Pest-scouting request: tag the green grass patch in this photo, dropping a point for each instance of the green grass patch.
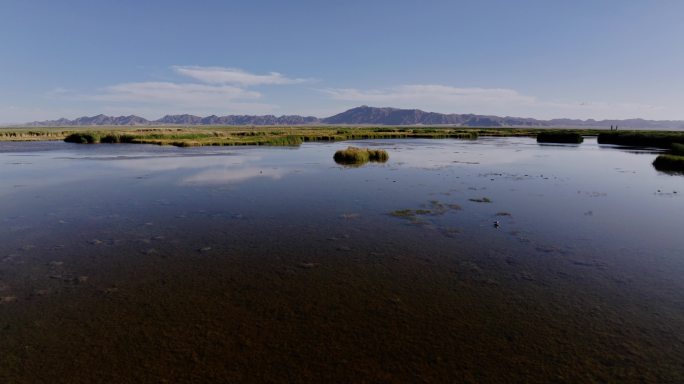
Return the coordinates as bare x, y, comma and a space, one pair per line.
559, 137
289, 140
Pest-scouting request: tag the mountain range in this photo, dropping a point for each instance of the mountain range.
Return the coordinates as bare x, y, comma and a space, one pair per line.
366, 115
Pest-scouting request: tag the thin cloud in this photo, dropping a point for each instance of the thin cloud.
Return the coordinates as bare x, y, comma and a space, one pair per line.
233, 175
430, 93
490, 101
206, 90
177, 94
222, 75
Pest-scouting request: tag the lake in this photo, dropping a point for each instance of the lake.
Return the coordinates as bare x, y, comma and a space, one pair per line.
489, 260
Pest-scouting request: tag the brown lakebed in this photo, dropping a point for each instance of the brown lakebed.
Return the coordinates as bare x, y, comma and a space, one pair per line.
133, 263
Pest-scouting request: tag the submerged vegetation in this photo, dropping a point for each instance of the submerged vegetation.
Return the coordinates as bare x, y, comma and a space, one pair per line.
437, 208
408, 213
559, 137
481, 200
355, 155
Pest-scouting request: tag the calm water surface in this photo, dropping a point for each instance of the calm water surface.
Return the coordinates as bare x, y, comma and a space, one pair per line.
133, 263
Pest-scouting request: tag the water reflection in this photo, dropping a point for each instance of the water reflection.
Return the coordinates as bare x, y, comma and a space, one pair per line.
233, 175
454, 256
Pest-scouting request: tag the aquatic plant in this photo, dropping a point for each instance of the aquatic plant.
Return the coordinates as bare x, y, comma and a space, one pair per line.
482, 200
403, 213
355, 155
559, 137
410, 213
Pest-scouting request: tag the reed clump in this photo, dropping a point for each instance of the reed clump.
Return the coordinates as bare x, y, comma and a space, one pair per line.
355, 155
83, 138
117, 138
668, 162
560, 137
673, 161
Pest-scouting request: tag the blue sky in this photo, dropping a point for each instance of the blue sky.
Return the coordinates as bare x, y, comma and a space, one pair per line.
544, 59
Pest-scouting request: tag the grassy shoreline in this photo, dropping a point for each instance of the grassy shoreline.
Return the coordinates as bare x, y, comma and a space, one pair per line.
185, 136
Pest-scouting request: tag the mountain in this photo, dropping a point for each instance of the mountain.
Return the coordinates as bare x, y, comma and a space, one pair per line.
94, 120
367, 115
257, 120
180, 120
394, 116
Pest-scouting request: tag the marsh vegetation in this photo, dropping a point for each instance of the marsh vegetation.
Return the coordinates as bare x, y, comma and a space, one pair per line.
480, 200
228, 135
672, 161
659, 139
235, 135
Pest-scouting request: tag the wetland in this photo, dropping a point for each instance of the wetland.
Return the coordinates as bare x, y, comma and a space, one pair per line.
493, 260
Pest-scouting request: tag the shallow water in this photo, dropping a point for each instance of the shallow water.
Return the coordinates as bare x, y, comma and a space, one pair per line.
133, 263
